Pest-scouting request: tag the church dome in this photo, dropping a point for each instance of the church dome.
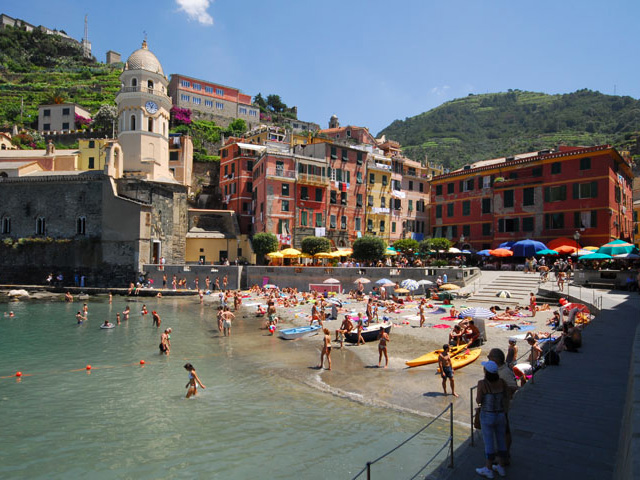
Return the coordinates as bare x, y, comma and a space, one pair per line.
143, 59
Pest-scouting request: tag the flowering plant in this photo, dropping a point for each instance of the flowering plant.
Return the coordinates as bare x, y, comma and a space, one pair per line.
181, 115
82, 121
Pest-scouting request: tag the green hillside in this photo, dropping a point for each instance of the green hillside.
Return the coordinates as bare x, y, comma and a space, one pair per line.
36, 68
486, 126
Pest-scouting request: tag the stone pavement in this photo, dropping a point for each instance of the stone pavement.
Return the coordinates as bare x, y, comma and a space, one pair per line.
567, 423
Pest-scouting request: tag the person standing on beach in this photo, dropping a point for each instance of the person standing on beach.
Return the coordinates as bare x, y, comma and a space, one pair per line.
421, 311
360, 328
532, 304
216, 285
446, 370
225, 280
326, 348
370, 311
383, 337
345, 328
207, 283
194, 381
227, 316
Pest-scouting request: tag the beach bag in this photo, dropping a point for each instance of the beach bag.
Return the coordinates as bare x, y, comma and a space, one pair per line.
476, 419
552, 358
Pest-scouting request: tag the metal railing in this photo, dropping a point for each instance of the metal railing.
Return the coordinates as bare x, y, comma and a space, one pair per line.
141, 89
448, 443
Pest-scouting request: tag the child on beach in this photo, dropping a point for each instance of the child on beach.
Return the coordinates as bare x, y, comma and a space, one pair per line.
326, 348
383, 337
360, 328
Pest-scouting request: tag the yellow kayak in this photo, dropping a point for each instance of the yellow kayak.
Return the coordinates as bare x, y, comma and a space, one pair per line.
465, 359
432, 357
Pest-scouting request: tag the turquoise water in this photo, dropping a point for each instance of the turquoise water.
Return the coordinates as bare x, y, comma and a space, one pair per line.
123, 420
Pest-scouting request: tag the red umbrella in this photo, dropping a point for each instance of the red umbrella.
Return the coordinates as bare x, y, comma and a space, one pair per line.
565, 249
561, 242
501, 252
581, 308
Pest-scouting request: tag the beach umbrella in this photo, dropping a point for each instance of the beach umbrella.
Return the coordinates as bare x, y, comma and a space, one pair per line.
270, 285
401, 290
546, 251
410, 284
562, 242
454, 250
384, 280
345, 251
566, 249
593, 249
362, 280
506, 245
504, 294
305, 255
466, 252
388, 284
629, 256
449, 286
391, 251
501, 252
484, 253
337, 254
527, 247
581, 307
275, 255
425, 282
583, 251
617, 247
331, 280
476, 312
323, 255
595, 256
290, 253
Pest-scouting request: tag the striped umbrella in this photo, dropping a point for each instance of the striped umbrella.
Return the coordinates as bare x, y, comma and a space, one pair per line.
410, 284
476, 312
504, 294
617, 247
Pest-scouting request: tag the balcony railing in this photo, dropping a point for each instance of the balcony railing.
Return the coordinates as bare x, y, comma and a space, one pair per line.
313, 179
281, 172
141, 89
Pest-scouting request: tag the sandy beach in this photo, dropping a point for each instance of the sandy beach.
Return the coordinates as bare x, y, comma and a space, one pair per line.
355, 374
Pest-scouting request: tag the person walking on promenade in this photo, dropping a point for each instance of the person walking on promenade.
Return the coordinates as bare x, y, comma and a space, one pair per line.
326, 348
194, 381
446, 370
492, 396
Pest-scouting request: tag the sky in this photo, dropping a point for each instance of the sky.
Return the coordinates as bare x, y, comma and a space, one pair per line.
369, 62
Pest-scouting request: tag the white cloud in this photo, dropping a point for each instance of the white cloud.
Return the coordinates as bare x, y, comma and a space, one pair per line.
440, 91
196, 10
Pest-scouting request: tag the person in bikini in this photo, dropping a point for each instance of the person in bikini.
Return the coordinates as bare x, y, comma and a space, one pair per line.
326, 348
194, 381
383, 337
532, 304
446, 370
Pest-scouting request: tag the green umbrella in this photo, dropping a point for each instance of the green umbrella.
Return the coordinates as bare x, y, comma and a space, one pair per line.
595, 256
617, 247
546, 252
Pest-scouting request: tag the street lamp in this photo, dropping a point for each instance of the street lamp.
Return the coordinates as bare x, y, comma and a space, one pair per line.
576, 237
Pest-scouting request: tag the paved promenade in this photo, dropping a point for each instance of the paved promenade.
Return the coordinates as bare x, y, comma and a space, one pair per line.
567, 423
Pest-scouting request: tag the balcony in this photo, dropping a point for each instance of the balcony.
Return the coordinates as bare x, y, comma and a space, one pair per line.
141, 89
310, 179
383, 167
281, 173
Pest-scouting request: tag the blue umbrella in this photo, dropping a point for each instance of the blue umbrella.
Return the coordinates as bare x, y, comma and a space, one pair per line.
527, 248
382, 281
476, 312
506, 244
595, 256
484, 253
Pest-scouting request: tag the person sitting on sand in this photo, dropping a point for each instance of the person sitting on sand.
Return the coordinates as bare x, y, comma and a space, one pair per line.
472, 335
537, 335
554, 321
345, 327
261, 311
453, 312
456, 336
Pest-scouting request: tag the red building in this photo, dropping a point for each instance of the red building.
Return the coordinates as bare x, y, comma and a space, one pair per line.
540, 195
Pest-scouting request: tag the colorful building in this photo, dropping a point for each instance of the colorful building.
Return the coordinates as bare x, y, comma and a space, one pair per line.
378, 208
541, 195
92, 153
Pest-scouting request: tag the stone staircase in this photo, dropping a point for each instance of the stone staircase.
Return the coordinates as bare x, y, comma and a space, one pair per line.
519, 284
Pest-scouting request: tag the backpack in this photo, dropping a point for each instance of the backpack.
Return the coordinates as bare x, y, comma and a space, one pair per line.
551, 358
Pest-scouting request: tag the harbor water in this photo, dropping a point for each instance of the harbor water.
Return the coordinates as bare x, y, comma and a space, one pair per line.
258, 417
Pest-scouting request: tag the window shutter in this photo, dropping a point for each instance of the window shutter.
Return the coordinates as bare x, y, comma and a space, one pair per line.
594, 190
576, 190
594, 218
501, 225
563, 192
547, 219
547, 194
516, 224
479, 183
461, 186
576, 220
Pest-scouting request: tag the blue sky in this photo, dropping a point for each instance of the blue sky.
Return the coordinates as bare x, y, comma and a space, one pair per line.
369, 62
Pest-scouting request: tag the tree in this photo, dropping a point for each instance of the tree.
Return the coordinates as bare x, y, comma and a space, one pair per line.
407, 245
104, 119
438, 244
313, 245
264, 243
236, 128
275, 104
369, 248
260, 102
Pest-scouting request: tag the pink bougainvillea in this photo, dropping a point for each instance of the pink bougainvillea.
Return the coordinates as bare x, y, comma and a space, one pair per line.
82, 121
181, 115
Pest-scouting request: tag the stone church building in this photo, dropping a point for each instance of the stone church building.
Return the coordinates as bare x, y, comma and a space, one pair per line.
103, 225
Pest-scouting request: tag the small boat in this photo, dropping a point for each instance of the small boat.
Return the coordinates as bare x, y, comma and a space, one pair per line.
432, 357
465, 358
299, 332
369, 333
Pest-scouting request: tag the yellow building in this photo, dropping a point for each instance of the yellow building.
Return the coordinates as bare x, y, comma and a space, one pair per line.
378, 206
92, 153
214, 236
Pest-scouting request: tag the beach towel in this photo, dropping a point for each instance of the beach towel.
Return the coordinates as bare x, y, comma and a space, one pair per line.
448, 319
411, 317
441, 325
437, 311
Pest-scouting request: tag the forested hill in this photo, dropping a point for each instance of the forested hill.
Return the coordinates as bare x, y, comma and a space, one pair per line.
36, 68
493, 125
